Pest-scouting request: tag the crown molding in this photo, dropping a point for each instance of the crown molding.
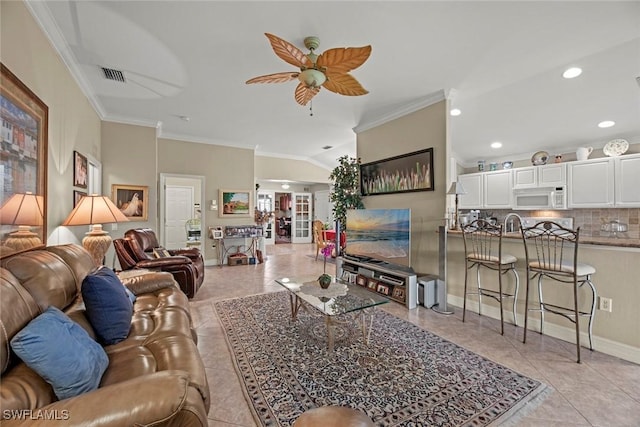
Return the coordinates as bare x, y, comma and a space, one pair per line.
400, 111
42, 15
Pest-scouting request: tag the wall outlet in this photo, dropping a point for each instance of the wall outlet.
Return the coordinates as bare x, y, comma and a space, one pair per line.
605, 304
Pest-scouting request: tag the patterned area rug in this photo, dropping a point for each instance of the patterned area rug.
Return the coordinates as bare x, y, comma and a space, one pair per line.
406, 376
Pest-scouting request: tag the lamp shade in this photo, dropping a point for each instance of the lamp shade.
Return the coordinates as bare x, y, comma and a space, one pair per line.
95, 209
23, 209
456, 188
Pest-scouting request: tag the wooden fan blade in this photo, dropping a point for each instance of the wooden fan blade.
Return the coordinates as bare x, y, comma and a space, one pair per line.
342, 60
304, 94
275, 78
344, 84
288, 52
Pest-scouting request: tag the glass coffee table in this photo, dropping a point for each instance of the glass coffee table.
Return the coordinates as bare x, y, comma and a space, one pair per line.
338, 299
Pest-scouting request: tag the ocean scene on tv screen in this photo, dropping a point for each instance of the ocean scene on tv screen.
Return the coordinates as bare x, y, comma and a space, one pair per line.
381, 234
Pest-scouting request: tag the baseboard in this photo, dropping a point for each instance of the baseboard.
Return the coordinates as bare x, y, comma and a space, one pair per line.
210, 262
603, 345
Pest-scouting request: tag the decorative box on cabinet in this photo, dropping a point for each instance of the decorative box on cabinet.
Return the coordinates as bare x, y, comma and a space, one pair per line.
397, 283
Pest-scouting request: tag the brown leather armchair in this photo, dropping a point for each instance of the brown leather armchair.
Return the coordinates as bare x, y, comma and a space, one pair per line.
136, 250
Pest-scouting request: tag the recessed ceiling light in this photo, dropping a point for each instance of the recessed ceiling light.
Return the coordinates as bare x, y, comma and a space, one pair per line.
606, 124
455, 112
572, 72
496, 144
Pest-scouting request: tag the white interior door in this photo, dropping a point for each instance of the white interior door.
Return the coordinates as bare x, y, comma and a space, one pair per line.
178, 209
323, 208
301, 218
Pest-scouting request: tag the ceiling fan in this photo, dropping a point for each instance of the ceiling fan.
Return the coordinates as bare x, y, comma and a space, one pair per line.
329, 69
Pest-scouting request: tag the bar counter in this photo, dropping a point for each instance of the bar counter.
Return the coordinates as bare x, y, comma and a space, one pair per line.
626, 240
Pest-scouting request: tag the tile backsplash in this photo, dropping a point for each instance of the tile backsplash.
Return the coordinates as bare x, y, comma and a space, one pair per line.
589, 220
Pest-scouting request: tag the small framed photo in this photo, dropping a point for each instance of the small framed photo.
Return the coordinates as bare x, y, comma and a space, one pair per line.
216, 233
80, 168
132, 200
383, 289
235, 204
398, 293
361, 280
77, 195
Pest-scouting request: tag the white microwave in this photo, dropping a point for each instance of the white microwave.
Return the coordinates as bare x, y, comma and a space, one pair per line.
540, 198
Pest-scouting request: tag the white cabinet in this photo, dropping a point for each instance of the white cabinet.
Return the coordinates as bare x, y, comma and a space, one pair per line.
552, 175
473, 185
540, 176
489, 190
498, 190
591, 183
627, 181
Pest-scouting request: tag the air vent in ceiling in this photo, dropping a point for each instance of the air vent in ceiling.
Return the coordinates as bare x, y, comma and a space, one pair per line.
111, 74
327, 147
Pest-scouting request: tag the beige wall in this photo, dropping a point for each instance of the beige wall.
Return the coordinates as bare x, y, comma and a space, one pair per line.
224, 168
420, 130
289, 169
129, 158
73, 123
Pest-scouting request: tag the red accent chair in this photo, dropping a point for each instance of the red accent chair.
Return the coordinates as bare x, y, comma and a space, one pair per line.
136, 250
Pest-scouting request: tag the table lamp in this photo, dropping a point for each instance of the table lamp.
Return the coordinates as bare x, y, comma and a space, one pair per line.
24, 210
95, 210
457, 189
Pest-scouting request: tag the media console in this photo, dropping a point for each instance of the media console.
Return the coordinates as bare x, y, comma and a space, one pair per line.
396, 282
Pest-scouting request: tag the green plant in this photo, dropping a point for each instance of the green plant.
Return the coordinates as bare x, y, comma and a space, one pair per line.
346, 188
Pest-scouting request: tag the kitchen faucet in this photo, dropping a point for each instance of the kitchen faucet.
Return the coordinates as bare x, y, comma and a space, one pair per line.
509, 226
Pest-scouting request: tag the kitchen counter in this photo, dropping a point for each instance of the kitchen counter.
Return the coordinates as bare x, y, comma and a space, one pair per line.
622, 242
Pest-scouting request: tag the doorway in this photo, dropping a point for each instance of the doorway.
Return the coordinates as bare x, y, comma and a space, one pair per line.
282, 207
181, 213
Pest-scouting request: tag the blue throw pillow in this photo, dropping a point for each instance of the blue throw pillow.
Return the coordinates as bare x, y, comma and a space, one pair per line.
62, 353
109, 309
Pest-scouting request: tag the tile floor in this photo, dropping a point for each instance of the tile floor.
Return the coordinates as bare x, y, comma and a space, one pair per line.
602, 391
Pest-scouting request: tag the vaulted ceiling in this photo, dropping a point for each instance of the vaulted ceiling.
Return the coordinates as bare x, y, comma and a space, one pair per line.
185, 64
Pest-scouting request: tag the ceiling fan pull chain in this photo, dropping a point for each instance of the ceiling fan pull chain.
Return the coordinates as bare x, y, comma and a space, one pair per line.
311, 108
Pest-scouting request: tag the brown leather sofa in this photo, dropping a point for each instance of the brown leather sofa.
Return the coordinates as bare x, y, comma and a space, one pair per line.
154, 377
136, 250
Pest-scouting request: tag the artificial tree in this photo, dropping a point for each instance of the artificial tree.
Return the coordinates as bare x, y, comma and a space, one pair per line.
346, 191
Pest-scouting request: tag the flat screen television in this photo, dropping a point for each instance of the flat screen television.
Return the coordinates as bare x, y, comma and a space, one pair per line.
379, 235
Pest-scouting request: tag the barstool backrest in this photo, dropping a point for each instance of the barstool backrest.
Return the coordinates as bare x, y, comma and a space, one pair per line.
549, 247
483, 241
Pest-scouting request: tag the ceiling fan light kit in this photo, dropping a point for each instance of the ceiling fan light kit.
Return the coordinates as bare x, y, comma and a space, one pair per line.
329, 69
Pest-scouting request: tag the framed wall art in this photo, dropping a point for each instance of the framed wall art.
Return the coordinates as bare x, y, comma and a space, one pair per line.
80, 168
77, 195
234, 203
400, 174
132, 200
23, 146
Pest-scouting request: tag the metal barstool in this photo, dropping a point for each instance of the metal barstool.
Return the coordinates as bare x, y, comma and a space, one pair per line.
483, 248
552, 252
